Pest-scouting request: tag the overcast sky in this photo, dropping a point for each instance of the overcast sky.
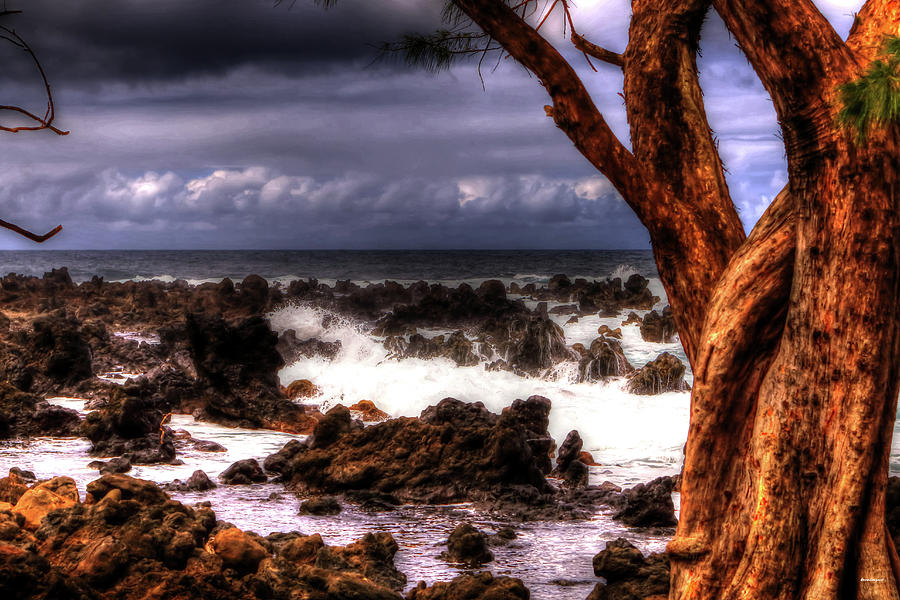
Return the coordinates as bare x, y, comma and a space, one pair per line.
241, 124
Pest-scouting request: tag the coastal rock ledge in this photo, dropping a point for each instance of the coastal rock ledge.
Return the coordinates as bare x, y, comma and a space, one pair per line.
129, 540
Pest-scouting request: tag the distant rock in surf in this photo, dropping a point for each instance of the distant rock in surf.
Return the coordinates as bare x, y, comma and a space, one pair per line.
665, 373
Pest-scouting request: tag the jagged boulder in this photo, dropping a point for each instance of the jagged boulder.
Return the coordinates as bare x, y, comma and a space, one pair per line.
665, 373
649, 504
455, 451
27, 415
568, 461
659, 328
629, 575
483, 585
468, 545
237, 369
604, 359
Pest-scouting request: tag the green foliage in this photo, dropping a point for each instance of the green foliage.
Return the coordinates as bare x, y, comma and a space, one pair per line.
873, 100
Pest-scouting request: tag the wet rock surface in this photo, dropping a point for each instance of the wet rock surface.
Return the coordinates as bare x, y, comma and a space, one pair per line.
649, 504
128, 540
659, 328
243, 472
629, 575
130, 427
455, 451
27, 415
604, 359
665, 373
468, 545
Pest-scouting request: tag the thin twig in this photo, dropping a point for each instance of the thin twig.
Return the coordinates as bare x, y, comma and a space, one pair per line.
47, 121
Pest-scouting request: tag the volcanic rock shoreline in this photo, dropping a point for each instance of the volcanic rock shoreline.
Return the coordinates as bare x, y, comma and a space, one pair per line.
213, 355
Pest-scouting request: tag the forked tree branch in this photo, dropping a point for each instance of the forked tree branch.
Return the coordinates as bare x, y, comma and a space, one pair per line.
573, 109
800, 66
875, 20
595, 51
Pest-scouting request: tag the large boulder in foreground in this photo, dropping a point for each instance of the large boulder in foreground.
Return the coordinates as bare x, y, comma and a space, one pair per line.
129, 540
456, 451
629, 575
649, 504
483, 585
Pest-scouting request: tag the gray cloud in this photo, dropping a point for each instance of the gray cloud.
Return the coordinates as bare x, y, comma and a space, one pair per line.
241, 124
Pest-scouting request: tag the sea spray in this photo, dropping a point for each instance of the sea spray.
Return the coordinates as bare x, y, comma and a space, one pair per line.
621, 430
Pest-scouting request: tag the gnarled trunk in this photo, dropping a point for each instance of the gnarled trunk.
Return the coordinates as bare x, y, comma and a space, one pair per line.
793, 333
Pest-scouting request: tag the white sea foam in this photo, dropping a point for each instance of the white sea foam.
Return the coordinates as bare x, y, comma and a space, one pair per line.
616, 426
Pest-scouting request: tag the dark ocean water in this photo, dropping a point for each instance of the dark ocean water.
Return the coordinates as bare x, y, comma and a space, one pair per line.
376, 265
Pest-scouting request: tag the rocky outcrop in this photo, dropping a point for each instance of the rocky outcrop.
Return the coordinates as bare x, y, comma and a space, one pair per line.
60, 353
569, 466
292, 349
629, 575
26, 415
665, 373
40, 499
199, 481
367, 411
128, 540
482, 585
649, 504
131, 427
445, 307
604, 359
527, 345
457, 347
455, 451
326, 505
243, 472
659, 328
468, 546
237, 369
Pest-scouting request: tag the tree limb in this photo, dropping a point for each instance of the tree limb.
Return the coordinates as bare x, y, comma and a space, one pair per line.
595, 51
573, 110
876, 19
30, 235
799, 58
45, 122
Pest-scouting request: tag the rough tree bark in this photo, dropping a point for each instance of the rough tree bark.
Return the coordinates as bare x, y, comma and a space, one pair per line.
792, 334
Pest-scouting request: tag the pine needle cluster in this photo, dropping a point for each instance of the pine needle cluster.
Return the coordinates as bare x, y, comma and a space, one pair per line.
873, 100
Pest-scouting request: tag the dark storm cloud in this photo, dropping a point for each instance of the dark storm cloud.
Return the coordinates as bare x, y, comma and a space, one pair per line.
239, 123
141, 40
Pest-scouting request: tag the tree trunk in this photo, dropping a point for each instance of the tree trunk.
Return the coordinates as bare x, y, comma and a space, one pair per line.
792, 335
792, 413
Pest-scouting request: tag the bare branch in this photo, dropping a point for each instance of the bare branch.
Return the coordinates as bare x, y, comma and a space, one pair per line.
31, 236
45, 122
595, 51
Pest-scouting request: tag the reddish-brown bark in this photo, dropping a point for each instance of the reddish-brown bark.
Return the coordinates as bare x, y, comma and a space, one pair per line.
793, 334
